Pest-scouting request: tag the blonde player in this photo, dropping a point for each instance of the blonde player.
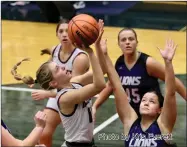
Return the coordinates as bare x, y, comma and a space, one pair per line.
73, 97
76, 61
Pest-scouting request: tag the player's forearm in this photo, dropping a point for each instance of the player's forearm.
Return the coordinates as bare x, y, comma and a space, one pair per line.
101, 57
98, 78
111, 72
103, 96
33, 137
169, 78
121, 100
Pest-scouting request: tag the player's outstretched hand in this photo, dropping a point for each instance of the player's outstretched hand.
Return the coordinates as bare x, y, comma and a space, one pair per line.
169, 50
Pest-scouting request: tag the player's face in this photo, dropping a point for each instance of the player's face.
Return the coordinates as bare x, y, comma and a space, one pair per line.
127, 42
62, 33
150, 105
60, 74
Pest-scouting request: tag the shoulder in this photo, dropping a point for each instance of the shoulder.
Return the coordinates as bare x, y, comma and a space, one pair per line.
80, 53
119, 60
81, 56
76, 85
81, 59
144, 57
54, 48
154, 68
151, 62
131, 126
60, 92
164, 129
80, 64
80, 50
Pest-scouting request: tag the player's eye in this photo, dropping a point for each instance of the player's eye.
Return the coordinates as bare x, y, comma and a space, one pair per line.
123, 39
131, 38
60, 31
152, 101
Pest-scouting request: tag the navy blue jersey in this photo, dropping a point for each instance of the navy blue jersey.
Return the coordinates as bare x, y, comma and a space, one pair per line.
136, 81
150, 138
4, 126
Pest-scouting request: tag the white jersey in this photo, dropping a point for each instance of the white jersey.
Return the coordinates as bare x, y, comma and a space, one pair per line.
68, 64
78, 125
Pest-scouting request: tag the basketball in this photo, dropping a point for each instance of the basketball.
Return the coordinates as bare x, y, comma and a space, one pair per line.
83, 29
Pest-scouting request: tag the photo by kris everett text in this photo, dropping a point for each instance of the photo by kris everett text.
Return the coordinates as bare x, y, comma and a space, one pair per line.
135, 136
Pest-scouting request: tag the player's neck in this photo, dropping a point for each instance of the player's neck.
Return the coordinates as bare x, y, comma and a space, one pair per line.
131, 58
146, 121
67, 49
65, 85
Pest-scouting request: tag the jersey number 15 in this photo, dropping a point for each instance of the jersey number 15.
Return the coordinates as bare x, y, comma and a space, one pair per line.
133, 95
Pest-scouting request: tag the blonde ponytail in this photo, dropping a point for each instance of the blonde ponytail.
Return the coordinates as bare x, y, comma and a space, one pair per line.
26, 79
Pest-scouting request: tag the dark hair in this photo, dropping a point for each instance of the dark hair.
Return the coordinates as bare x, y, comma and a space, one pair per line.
61, 22
43, 75
159, 95
128, 29
47, 50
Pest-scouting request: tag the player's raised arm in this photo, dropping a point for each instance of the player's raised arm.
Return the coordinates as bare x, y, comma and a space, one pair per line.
125, 111
168, 115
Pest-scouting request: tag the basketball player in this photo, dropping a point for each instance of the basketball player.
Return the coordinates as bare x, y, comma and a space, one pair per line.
8, 140
158, 115
49, 76
73, 98
75, 61
138, 72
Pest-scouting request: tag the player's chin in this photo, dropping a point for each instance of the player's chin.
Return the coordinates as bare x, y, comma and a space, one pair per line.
144, 112
128, 51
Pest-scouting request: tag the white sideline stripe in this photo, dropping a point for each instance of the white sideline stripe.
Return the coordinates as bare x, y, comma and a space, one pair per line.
106, 123
17, 89
30, 90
